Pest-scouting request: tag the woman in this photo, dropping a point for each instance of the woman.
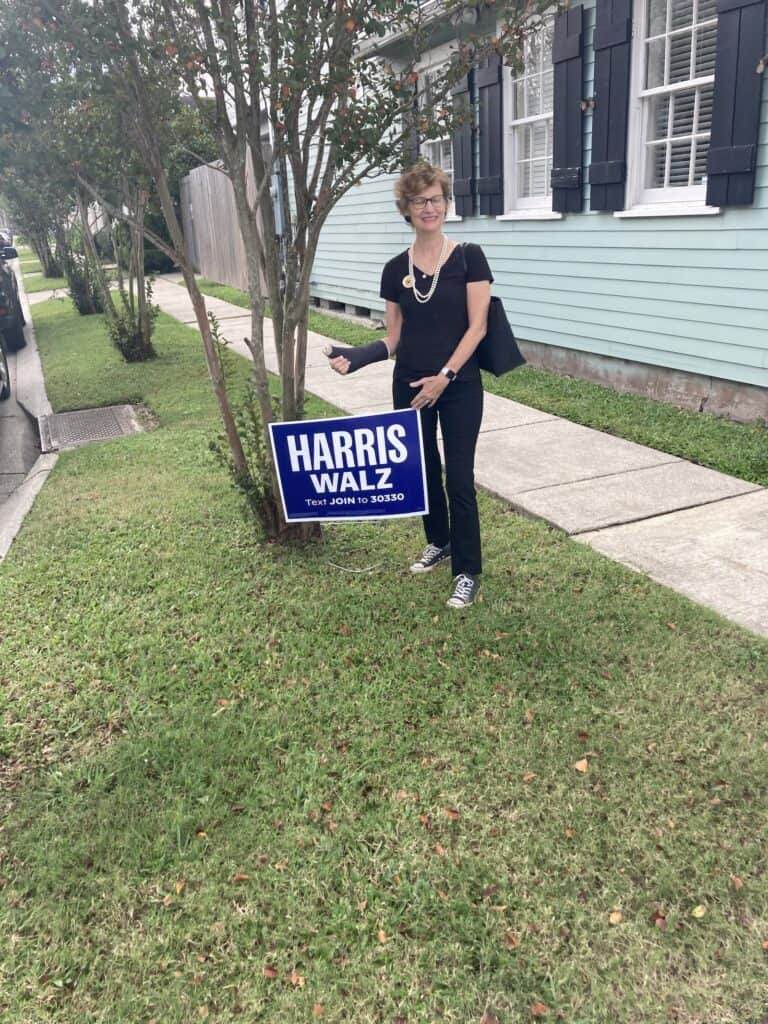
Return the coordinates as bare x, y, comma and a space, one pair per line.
437, 294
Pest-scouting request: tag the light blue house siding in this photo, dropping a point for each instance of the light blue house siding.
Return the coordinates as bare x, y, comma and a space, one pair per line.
685, 293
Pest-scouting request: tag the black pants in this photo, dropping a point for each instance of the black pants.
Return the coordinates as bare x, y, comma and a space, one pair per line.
460, 410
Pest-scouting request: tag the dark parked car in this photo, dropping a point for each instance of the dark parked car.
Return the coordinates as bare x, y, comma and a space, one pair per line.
11, 315
5, 376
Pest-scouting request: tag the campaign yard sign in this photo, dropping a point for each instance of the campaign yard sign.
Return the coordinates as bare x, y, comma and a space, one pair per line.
352, 467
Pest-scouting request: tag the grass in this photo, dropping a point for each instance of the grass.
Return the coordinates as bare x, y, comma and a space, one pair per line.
246, 783
32, 285
348, 332
737, 449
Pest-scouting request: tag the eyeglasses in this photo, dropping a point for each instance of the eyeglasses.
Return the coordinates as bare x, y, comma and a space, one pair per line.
438, 202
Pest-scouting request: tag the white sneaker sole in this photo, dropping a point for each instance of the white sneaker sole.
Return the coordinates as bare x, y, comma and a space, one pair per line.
419, 570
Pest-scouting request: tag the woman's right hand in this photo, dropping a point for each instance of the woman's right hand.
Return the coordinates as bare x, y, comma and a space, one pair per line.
340, 364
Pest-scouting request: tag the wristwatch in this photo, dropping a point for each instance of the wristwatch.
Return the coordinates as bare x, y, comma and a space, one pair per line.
449, 373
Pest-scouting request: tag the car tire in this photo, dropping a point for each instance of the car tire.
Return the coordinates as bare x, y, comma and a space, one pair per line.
14, 338
5, 376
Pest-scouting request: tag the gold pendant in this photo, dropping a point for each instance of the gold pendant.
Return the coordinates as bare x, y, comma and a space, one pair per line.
408, 281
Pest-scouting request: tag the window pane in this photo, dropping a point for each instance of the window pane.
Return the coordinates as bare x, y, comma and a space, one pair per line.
657, 156
657, 17
524, 180
680, 58
655, 71
520, 99
683, 106
704, 120
539, 139
682, 13
706, 38
524, 143
679, 163
548, 84
533, 96
700, 161
539, 178
658, 117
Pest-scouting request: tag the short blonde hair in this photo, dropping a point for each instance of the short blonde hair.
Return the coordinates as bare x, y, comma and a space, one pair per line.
417, 178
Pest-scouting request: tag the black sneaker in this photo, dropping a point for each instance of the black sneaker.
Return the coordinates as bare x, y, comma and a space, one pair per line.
465, 590
431, 557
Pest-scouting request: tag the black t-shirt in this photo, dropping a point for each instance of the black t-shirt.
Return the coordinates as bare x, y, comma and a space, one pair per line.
432, 330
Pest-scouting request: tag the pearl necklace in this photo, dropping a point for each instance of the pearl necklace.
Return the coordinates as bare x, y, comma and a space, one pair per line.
419, 296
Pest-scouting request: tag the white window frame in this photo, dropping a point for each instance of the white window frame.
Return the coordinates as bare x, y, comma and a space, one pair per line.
522, 207
672, 200
431, 61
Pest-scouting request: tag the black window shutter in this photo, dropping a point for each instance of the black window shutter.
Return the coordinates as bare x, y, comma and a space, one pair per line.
490, 181
463, 144
411, 151
612, 44
736, 102
567, 57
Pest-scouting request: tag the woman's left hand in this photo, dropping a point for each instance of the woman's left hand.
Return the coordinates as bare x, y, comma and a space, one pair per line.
431, 389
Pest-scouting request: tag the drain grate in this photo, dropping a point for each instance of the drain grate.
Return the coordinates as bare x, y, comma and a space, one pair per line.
73, 429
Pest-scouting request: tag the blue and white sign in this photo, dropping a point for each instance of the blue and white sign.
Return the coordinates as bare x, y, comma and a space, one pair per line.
353, 467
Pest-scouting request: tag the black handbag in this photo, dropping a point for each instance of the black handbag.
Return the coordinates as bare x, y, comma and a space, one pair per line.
498, 352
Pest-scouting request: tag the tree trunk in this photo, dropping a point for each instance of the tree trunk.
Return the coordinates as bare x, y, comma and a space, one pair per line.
92, 255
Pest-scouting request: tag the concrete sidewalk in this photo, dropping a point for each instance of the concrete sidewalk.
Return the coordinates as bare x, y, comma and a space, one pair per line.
22, 466
697, 531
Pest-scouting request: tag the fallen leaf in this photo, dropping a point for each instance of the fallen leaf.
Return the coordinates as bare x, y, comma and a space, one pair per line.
539, 1009
511, 940
452, 813
529, 776
765, 944
424, 819
240, 876
180, 886
659, 919
489, 1018
582, 765
280, 865
297, 980
167, 901
201, 834
269, 972
671, 625
402, 794
615, 917
204, 1013
529, 715
362, 905
439, 850
317, 1010
382, 935
344, 630
570, 832
583, 735
327, 806
737, 882
699, 911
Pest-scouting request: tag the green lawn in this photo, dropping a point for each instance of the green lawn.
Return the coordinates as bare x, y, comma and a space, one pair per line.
32, 285
735, 448
247, 783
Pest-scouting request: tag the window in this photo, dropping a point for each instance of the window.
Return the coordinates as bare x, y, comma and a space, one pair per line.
438, 152
674, 60
529, 129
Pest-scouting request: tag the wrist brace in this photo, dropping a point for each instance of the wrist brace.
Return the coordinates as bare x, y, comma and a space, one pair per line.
359, 355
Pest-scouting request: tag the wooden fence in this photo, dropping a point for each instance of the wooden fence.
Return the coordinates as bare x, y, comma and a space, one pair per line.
211, 228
